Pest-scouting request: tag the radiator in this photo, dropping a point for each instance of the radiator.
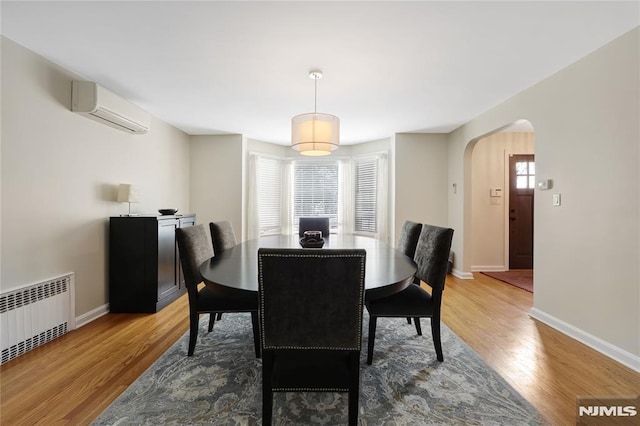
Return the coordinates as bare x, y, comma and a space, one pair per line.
36, 314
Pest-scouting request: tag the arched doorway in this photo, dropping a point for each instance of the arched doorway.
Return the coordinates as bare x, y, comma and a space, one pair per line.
501, 174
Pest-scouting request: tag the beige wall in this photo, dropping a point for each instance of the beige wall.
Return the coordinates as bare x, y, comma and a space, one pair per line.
420, 179
489, 224
217, 179
586, 256
60, 173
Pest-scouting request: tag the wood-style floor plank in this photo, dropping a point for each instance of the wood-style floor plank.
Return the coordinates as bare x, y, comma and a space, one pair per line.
545, 366
72, 380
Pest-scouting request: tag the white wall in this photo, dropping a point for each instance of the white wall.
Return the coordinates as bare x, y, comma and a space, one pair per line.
217, 179
60, 173
490, 169
420, 179
586, 119
371, 147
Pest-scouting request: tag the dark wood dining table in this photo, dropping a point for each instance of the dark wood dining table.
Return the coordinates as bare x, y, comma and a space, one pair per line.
234, 272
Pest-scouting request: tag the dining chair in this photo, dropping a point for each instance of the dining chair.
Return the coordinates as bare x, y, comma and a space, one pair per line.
431, 257
409, 235
314, 224
194, 246
223, 237
310, 310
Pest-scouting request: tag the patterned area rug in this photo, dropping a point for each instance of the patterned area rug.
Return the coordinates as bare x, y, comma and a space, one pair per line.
521, 278
406, 385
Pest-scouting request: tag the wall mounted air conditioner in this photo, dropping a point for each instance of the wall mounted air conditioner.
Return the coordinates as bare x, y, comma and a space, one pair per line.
97, 103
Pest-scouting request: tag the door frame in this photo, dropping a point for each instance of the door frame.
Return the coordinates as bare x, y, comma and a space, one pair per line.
507, 200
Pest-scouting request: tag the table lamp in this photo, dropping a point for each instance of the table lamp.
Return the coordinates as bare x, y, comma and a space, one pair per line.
128, 193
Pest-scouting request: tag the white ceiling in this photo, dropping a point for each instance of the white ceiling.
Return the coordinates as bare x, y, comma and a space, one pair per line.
211, 67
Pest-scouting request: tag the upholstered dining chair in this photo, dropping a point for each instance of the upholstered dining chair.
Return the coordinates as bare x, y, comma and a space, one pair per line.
194, 245
431, 257
409, 235
310, 308
223, 237
314, 224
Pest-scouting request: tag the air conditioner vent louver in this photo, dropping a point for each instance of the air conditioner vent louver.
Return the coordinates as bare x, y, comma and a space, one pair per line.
97, 103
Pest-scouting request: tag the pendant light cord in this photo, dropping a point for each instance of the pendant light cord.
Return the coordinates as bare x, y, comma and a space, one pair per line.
315, 95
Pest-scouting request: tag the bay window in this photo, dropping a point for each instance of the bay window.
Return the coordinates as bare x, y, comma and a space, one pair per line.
351, 192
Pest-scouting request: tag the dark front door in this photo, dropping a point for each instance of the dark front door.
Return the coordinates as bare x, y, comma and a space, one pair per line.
521, 188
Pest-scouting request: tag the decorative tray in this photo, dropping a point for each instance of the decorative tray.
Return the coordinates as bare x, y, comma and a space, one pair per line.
311, 243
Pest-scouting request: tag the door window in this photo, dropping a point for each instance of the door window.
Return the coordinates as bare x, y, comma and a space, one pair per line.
525, 175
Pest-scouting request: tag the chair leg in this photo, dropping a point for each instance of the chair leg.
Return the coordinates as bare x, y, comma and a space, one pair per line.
416, 320
267, 392
212, 320
194, 318
408, 320
372, 337
219, 316
354, 387
256, 332
435, 332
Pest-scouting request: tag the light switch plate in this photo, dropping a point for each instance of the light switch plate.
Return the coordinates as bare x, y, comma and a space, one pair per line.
556, 200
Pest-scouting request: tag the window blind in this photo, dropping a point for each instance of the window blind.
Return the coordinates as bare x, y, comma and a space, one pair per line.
269, 184
365, 196
315, 191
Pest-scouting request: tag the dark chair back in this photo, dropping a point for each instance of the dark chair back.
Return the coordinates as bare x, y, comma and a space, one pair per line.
194, 246
223, 236
314, 224
409, 235
432, 255
311, 298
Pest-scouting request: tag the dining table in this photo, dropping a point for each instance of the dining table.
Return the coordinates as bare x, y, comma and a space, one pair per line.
234, 272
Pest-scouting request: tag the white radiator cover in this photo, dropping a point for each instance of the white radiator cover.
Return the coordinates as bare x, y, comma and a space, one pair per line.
33, 315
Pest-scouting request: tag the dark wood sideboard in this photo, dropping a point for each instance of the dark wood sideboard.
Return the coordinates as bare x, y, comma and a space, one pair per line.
144, 265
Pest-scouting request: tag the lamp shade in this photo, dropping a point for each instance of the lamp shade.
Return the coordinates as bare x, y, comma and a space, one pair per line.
315, 133
128, 193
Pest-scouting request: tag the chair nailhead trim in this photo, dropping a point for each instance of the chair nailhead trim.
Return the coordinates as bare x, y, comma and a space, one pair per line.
306, 389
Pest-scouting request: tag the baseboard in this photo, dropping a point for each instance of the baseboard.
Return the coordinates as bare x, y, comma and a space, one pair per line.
462, 275
489, 268
92, 315
623, 357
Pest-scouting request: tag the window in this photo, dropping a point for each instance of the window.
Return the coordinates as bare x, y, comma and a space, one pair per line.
315, 190
269, 184
366, 196
525, 174
345, 190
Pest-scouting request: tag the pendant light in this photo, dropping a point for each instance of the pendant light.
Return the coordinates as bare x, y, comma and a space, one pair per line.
314, 133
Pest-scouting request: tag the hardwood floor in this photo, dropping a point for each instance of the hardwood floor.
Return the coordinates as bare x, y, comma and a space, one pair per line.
545, 366
73, 379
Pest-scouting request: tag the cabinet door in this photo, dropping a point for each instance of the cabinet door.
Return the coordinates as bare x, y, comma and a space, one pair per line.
167, 273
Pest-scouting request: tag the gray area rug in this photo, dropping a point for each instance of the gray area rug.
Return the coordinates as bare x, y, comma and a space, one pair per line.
406, 385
